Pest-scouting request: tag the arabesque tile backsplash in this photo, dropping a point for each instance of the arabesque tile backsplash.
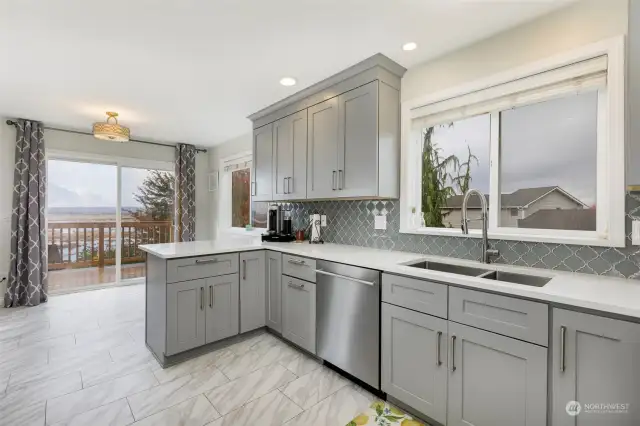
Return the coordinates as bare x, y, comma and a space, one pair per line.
351, 222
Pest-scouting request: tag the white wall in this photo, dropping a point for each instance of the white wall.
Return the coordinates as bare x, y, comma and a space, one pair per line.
582, 23
56, 140
233, 146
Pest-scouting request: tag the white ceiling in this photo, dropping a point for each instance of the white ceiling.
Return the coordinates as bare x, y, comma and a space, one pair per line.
186, 70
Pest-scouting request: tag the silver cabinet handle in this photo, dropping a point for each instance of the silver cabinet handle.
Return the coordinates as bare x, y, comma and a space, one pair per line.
284, 185
453, 353
204, 261
340, 179
244, 269
297, 262
438, 339
296, 286
202, 298
289, 179
211, 296
253, 188
344, 277
333, 180
563, 339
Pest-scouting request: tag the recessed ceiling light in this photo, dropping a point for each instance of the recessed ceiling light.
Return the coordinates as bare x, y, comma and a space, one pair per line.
409, 46
288, 81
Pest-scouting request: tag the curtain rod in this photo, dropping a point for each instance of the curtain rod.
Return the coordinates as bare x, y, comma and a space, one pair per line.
77, 132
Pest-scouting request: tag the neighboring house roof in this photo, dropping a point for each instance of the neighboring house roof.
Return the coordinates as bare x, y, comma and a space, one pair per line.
569, 219
521, 198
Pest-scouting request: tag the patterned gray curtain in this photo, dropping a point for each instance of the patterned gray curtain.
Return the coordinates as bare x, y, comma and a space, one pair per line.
185, 188
27, 285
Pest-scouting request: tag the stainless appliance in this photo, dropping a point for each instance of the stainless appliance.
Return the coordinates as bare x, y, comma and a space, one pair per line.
279, 225
348, 319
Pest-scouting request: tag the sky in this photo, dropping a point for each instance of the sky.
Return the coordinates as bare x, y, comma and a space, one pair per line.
76, 184
551, 143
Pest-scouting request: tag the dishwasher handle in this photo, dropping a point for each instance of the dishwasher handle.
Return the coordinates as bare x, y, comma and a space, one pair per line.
344, 277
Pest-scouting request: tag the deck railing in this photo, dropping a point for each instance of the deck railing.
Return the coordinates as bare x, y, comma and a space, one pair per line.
93, 244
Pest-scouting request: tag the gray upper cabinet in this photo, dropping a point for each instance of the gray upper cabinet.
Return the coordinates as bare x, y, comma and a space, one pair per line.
262, 164
299, 312
221, 307
185, 315
322, 149
273, 288
352, 139
252, 290
414, 360
495, 380
358, 142
290, 157
595, 361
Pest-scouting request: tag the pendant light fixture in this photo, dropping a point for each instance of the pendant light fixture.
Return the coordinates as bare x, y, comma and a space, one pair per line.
109, 131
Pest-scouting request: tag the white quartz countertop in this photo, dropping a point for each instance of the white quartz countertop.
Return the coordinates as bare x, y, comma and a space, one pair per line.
611, 295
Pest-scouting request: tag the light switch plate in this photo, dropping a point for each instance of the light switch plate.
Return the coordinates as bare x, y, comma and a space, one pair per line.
635, 232
380, 222
323, 220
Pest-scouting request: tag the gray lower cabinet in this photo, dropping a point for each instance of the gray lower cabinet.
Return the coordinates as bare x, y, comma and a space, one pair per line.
322, 149
262, 164
185, 315
414, 360
252, 290
495, 380
595, 362
299, 312
221, 303
273, 287
290, 157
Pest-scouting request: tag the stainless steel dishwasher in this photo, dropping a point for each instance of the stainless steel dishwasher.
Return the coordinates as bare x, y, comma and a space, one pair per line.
348, 319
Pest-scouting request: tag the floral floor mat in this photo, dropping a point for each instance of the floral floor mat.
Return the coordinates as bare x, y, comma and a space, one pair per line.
381, 413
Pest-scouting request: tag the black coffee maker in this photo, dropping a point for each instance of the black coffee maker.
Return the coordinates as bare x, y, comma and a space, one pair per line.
279, 228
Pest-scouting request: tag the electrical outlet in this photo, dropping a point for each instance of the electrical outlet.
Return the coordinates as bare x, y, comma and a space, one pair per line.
380, 222
323, 220
635, 232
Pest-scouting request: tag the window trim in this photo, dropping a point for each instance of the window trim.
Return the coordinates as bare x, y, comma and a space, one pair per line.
610, 197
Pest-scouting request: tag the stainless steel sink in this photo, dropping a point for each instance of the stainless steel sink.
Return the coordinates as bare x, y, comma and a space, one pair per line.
510, 277
452, 269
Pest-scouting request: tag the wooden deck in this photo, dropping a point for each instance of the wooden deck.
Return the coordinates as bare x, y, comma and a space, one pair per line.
73, 279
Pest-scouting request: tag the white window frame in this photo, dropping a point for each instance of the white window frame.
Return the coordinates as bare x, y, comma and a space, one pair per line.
225, 196
610, 196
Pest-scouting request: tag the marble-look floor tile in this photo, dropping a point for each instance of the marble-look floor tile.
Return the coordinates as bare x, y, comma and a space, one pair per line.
279, 352
246, 344
4, 382
196, 411
9, 345
313, 387
20, 358
99, 373
234, 394
338, 409
272, 409
127, 350
64, 407
116, 413
23, 414
41, 390
192, 365
154, 400
236, 366
301, 364
63, 342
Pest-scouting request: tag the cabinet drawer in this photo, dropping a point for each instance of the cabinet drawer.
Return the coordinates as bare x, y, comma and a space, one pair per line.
521, 319
420, 295
299, 267
193, 268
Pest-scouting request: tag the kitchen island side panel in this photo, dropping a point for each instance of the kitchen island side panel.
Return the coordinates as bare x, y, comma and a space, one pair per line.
156, 305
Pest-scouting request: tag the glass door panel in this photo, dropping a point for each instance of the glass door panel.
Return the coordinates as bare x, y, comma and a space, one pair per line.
81, 224
147, 215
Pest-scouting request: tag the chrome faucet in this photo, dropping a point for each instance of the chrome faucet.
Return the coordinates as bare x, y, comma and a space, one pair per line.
487, 253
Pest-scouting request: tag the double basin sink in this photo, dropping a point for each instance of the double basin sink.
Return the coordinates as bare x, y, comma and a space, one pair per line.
510, 277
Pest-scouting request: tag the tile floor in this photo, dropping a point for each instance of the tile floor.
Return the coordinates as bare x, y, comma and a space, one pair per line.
80, 359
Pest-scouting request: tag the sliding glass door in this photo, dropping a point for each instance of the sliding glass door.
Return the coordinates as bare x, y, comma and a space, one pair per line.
98, 213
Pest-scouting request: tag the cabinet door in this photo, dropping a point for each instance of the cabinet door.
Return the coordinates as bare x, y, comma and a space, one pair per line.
595, 361
185, 316
290, 157
252, 282
358, 142
273, 306
414, 360
299, 312
222, 307
495, 380
262, 163
322, 149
